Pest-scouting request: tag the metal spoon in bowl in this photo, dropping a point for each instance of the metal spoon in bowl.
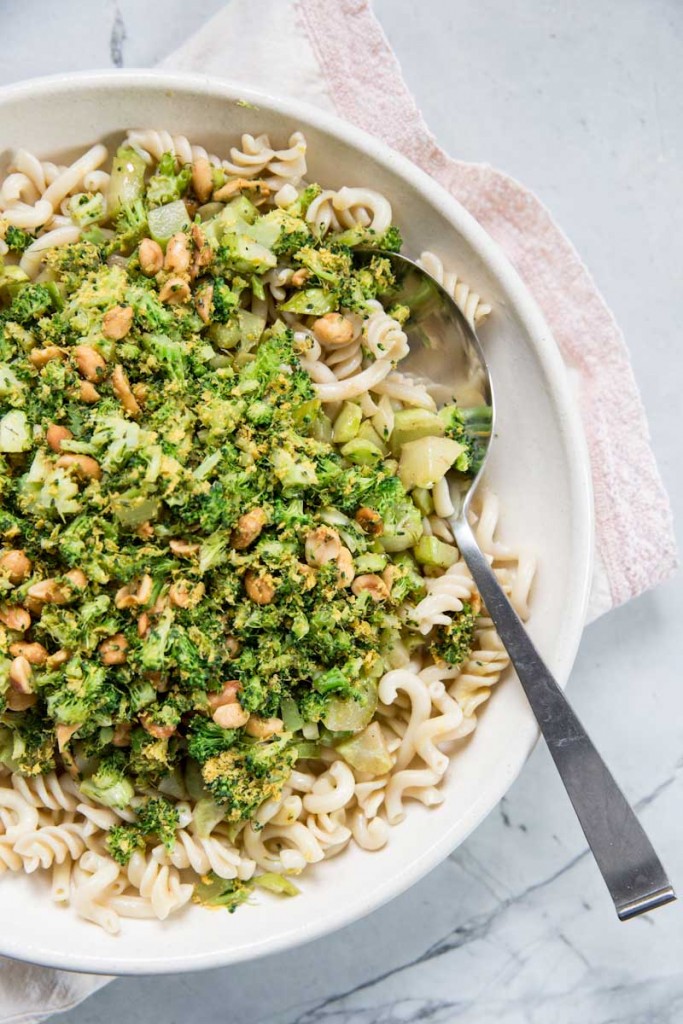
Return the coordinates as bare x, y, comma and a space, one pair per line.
444, 348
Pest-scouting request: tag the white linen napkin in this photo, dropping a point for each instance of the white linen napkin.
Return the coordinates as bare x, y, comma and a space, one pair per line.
252, 41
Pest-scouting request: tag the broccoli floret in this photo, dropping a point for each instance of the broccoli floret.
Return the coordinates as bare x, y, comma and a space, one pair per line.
87, 208
108, 784
28, 743
453, 643
206, 739
157, 820
131, 225
150, 314
390, 241
152, 655
150, 758
472, 429
240, 779
73, 262
212, 891
300, 205
169, 354
122, 842
289, 242
325, 264
17, 240
168, 183
31, 303
225, 301
84, 694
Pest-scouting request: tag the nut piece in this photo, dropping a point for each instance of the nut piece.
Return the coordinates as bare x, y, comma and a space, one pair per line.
230, 716
299, 277
248, 528
90, 363
175, 291
127, 598
345, 567
322, 545
370, 521
184, 594
202, 179
40, 357
371, 583
260, 589
232, 188
228, 694
232, 646
177, 258
15, 565
160, 732
20, 701
57, 659
84, 466
117, 321
15, 617
64, 734
143, 624
34, 653
113, 650
20, 673
87, 392
263, 728
203, 301
121, 737
55, 434
51, 592
151, 257
333, 329
122, 390
183, 548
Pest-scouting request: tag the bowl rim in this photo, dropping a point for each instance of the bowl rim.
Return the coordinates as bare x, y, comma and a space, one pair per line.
579, 479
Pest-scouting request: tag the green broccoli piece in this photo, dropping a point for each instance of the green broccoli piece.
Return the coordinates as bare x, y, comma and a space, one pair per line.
157, 820
325, 264
150, 314
108, 784
17, 240
300, 205
28, 743
122, 842
472, 429
168, 183
289, 242
212, 891
402, 522
453, 643
72, 262
131, 225
225, 301
205, 739
169, 354
390, 241
83, 694
241, 778
152, 656
31, 303
150, 758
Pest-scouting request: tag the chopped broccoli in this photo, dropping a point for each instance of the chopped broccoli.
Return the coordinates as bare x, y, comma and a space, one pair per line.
131, 225
122, 842
168, 183
157, 819
108, 784
31, 303
205, 739
17, 240
213, 891
453, 643
241, 778
471, 427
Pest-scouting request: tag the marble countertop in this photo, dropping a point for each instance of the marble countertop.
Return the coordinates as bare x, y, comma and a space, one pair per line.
515, 927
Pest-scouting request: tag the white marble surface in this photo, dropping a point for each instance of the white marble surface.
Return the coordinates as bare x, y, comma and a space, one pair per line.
582, 102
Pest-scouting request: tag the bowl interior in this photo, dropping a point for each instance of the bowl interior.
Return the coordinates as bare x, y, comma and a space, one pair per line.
538, 468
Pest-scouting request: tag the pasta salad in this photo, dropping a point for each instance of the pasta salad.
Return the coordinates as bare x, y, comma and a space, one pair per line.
236, 634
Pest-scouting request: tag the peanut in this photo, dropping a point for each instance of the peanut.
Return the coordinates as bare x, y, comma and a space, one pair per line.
84, 466
125, 598
20, 673
183, 548
122, 390
232, 188
55, 434
263, 728
15, 617
34, 653
175, 291
248, 528
333, 329
202, 179
370, 521
260, 589
88, 393
117, 322
121, 737
184, 595
345, 566
90, 363
15, 565
230, 716
322, 545
203, 302
177, 259
160, 732
371, 583
228, 694
151, 257
113, 650
40, 357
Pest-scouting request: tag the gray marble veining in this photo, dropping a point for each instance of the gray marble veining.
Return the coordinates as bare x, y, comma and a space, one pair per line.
581, 102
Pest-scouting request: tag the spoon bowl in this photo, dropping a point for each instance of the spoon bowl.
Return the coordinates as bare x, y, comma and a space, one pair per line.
446, 354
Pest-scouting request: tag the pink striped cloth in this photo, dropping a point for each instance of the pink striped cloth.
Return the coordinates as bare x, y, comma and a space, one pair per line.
344, 63
253, 43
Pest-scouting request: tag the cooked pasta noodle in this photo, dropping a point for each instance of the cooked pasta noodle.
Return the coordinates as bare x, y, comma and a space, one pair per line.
336, 793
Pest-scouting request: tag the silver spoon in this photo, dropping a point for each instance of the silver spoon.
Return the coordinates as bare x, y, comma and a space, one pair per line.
444, 347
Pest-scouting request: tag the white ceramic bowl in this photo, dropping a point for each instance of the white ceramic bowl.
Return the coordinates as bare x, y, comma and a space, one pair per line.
539, 468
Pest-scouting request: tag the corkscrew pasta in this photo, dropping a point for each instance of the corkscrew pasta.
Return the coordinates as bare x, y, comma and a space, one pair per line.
236, 634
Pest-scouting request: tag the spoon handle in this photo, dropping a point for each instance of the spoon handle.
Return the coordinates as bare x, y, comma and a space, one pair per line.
629, 865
